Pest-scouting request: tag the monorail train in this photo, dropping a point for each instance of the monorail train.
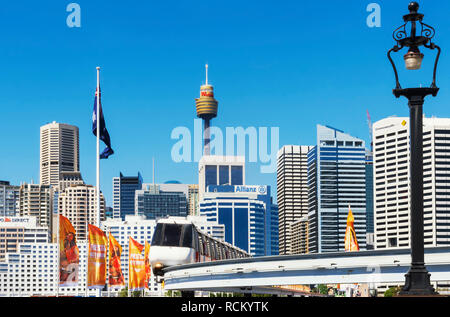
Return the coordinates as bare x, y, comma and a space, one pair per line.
177, 240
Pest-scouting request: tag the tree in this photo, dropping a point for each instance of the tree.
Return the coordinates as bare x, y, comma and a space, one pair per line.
321, 289
124, 293
393, 291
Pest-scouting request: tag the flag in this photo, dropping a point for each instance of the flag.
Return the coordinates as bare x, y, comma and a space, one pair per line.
115, 272
148, 269
69, 258
104, 135
96, 257
351, 244
136, 266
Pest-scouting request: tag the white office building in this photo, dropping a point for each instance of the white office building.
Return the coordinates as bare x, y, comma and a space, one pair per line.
16, 230
33, 271
292, 192
391, 182
59, 152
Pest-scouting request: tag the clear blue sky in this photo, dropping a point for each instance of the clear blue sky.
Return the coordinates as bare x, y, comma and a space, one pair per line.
289, 64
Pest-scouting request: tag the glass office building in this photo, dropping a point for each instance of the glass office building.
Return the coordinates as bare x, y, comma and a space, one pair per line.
249, 217
337, 182
153, 203
124, 189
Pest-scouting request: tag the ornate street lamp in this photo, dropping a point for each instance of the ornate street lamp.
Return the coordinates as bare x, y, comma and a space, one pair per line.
413, 35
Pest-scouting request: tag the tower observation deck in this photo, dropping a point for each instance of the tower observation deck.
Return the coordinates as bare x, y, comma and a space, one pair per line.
206, 107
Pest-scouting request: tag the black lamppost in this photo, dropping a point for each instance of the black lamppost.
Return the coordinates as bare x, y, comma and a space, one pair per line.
414, 34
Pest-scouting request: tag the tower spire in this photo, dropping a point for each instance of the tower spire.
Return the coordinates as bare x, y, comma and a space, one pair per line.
206, 69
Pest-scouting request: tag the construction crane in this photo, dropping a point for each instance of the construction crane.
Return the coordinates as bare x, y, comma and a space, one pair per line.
369, 122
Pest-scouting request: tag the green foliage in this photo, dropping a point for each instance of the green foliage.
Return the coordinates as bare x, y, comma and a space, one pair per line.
124, 293
321, 289
393, 291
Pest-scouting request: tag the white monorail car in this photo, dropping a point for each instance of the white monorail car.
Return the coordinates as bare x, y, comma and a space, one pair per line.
178, 241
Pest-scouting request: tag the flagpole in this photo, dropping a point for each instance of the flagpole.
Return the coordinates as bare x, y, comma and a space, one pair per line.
98, 148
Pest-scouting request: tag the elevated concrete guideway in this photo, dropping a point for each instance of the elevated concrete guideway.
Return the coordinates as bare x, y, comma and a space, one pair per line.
380, 266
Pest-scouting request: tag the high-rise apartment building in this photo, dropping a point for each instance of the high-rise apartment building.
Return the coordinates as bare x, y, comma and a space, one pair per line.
9, 199
292, 191
193, 201
78, 203
124, 190
391, 182
59, 152
336, 182
36, 201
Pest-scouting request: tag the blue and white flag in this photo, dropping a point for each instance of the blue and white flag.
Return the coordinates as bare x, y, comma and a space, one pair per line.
104, 135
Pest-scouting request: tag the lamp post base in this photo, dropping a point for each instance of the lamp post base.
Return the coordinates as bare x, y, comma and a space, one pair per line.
417, 282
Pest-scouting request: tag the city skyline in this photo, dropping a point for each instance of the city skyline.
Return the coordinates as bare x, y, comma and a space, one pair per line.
325, 171
260, 65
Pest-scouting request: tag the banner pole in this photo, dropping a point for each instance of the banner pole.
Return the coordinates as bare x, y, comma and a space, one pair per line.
58, 254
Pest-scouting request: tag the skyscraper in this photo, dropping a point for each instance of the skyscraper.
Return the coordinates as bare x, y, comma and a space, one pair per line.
369, 200
337, 181
292, 191
124, 189
391, 182
59, 152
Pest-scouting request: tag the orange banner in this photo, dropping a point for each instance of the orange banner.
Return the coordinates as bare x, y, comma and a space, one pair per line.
136, 266
148, 269
69, 258
97, 257
115, 271
350, 241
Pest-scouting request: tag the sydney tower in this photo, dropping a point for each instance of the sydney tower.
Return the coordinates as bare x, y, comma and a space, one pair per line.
206, 109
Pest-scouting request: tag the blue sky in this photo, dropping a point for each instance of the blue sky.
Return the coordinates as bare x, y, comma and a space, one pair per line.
286, 64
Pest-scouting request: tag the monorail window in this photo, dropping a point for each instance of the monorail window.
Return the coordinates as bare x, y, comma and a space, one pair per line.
187, 236
172, 234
